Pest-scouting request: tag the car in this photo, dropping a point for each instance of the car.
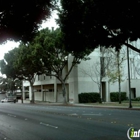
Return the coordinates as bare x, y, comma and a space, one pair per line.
8, 100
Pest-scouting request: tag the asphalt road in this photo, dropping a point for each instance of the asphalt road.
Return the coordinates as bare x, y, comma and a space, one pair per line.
40, 122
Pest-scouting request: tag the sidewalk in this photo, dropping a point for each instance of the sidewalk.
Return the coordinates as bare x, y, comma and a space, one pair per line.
96, 105
103, 105
109, 106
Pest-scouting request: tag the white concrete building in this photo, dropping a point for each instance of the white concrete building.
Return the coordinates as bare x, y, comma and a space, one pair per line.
85, 78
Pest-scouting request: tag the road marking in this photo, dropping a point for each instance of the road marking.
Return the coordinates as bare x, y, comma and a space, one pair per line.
12, 115
93, 114
73, 114
48, 125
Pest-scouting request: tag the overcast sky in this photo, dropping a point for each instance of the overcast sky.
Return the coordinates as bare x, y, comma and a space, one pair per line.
4, 48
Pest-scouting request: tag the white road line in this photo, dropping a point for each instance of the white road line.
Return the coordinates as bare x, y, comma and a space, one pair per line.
73, 114
48, 125
93, 114
12, 115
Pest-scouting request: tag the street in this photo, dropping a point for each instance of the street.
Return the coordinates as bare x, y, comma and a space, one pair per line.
42, 122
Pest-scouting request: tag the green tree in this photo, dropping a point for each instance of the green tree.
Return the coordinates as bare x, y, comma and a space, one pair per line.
7, 64
54, 57
3, 85
7, 67
9, 85
45, 54
19, 20
90, 23
21, 64
28, 64
115, 69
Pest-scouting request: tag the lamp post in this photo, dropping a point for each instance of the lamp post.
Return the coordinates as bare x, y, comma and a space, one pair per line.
129, 84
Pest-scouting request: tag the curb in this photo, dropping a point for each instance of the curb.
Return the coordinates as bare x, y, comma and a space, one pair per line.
81, 105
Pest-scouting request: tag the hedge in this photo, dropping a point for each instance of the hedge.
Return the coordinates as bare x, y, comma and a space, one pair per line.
114, 96
136, 99
90, 97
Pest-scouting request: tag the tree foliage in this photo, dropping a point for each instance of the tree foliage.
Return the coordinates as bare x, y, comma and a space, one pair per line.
22, 63
54, 56
27, 63
46, 54
7, 64
8, 84
90, 23
52, 52
19, 20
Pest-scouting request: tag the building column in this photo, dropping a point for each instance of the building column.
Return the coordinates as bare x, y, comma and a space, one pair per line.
55, 89
30, 95
23, 91
107, 92
42, 99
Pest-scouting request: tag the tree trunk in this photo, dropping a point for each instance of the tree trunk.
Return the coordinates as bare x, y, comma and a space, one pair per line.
64, 91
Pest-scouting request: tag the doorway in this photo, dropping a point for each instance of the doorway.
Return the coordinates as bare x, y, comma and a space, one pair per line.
104, 91
133, 93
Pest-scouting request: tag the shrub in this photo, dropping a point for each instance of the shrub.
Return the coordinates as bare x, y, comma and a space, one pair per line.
136, 99
91, 97
114, 96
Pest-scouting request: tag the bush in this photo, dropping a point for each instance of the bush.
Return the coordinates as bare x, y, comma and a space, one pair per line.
136, 99
89, 97
114, 96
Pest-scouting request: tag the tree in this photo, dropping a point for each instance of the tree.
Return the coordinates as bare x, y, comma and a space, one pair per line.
45, 54
3, 85
97, 68
19, 20
54, 57
115, 70
28, 64
98, 22
8, 84
7, 64
21, 63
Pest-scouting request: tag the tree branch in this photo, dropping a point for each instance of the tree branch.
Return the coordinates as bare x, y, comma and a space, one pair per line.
132, 47
73, 64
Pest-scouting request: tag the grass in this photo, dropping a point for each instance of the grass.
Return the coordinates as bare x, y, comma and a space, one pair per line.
123, 104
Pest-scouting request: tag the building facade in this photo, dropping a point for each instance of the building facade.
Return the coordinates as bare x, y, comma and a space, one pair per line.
86, 77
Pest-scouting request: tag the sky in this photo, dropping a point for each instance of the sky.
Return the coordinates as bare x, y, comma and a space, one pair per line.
4, 48
9, 45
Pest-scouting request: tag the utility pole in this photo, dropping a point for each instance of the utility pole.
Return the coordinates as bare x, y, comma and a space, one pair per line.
119, 76
129, 84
